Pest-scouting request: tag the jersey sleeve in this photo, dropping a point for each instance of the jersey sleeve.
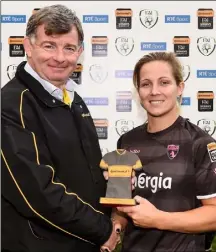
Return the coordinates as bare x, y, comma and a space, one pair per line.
137, 163
205, 167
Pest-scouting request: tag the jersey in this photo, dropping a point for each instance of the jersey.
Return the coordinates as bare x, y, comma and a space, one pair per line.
179, 170
120, 187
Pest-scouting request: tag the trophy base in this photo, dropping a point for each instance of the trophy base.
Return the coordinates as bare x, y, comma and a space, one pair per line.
117, 202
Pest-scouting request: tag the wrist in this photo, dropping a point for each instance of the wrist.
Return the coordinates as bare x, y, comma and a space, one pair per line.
161, 220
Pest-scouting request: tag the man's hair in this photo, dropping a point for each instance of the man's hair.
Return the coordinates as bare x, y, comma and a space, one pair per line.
57, 19
168, 57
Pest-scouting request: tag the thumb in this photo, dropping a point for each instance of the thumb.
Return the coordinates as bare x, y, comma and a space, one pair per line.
139, 199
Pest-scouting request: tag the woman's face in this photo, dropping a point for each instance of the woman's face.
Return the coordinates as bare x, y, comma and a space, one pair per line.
158, 89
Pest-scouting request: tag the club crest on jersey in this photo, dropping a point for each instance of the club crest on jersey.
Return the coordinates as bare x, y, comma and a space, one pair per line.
172, 151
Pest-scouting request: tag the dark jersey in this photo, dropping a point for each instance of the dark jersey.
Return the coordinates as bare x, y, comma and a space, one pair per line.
115, 161
179, 170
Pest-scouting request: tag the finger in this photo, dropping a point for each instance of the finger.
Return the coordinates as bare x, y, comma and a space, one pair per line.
125, 209
106, 175
139, 199
118, 228
133, 173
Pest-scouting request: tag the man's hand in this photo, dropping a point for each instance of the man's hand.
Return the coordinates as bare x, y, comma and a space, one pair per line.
144, 214
114, 238
106, 176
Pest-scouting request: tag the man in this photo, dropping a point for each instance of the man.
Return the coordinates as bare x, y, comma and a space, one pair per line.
51, 180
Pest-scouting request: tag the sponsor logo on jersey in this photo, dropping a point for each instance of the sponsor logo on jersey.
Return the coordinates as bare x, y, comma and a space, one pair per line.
148, 18
135, 151
172, 151
154, 183
211, 147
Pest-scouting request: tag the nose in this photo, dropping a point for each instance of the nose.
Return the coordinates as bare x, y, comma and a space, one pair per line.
155, 89
59, 56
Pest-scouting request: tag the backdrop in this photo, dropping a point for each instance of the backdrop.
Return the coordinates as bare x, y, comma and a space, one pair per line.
117, 34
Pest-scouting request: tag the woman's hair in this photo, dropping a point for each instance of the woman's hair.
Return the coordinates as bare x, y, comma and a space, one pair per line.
58, 19
168, 57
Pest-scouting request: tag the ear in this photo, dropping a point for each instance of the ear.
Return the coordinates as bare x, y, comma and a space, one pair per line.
27, 46
181, 87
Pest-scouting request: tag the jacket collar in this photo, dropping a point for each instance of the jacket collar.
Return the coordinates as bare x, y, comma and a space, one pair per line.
38, 90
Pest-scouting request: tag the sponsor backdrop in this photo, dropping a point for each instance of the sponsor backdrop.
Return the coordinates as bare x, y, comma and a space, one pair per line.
117, 34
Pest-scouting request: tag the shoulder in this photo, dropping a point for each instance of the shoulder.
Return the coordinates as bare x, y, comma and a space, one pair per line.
134, 133
17, 101
200, 139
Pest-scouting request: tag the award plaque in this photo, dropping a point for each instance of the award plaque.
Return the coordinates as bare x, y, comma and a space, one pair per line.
120, 165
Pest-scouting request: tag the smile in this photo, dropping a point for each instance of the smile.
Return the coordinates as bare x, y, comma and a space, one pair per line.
156, 102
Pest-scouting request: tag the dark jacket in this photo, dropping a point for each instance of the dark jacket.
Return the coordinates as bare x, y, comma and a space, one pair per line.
51, 180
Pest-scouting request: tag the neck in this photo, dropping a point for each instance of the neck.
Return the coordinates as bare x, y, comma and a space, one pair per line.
156, 124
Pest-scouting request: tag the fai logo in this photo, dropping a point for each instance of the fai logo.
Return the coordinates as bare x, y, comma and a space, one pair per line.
11, 70
123, 126
206, 45
208, 126
186, 72
124, 45
98, 73
148, 18
172, 151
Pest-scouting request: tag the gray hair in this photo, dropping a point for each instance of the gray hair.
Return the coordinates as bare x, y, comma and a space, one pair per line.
58, 19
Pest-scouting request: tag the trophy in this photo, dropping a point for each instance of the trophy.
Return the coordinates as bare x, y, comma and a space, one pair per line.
120, 165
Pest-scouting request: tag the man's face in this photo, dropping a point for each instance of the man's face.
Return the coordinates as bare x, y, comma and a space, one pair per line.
53, 57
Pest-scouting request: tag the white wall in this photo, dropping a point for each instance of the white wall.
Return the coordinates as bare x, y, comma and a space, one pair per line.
102, 76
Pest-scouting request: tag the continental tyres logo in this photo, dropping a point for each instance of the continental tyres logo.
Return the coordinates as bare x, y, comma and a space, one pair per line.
205, 101
181, 46
205, 18
76, 76
16, 48
101, 126
99, 46
123, 18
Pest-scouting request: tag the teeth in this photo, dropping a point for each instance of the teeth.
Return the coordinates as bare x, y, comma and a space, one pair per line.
156, 102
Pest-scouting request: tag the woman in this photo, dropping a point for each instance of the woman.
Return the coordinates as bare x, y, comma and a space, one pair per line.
176, 189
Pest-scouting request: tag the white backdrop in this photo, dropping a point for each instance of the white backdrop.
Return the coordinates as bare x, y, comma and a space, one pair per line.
117, 34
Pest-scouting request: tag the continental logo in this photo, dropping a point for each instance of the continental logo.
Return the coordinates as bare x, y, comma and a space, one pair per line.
205, 13
15, 40
100, 122
123, 13
79, 68
207, 95
99, 40
211, 146
120, 171
181, 40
